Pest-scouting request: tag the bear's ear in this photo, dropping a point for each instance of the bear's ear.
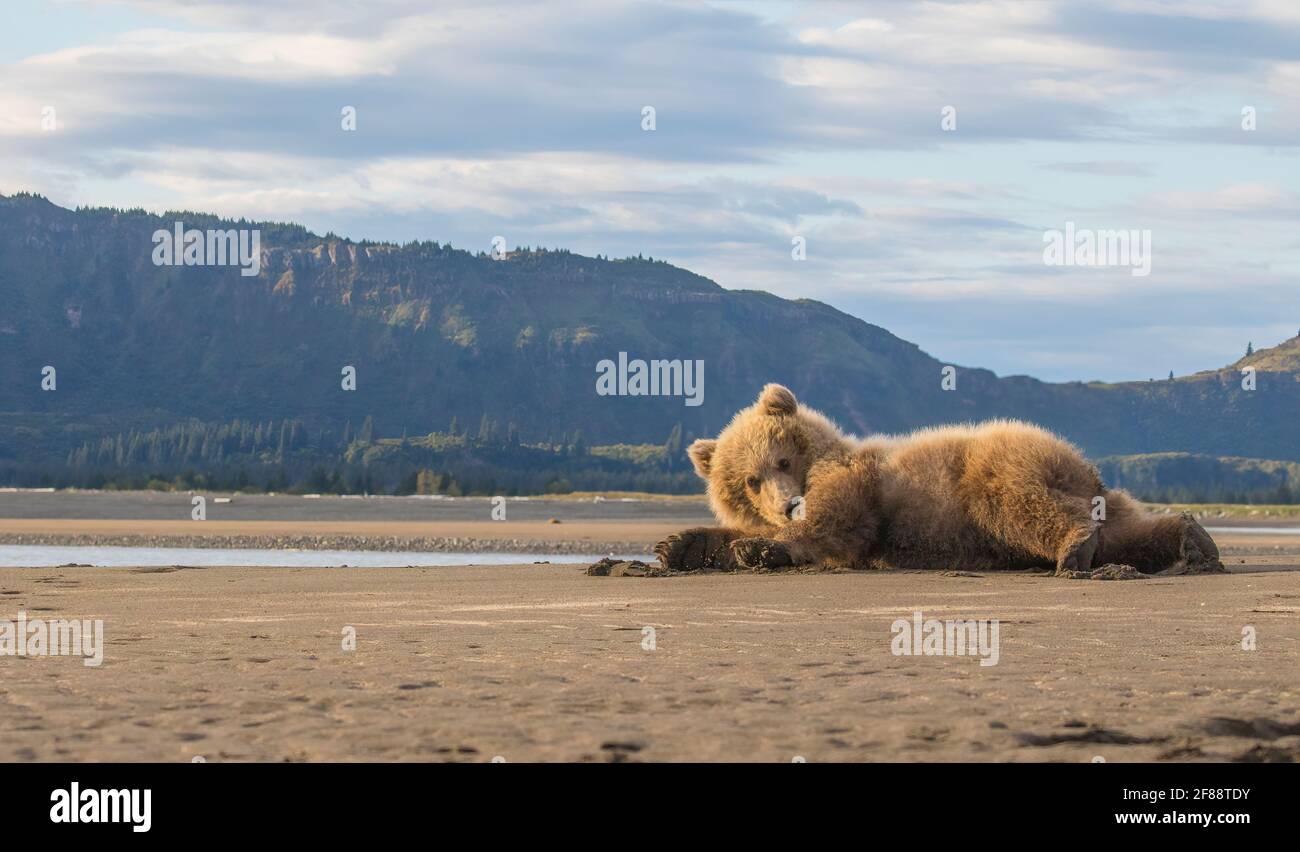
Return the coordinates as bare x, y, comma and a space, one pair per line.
701, 453
777, 400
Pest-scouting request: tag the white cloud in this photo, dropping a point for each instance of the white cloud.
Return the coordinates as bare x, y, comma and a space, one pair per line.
524, 119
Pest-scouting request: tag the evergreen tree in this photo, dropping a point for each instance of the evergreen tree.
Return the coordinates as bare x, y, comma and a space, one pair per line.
673, 446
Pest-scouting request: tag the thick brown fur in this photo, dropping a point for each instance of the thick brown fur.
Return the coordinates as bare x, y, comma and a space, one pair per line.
790, 489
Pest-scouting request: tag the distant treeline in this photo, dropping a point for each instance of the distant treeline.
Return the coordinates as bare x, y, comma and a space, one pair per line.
288, 456
1190, 478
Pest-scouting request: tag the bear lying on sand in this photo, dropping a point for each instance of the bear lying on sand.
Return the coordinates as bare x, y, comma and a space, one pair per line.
791, 489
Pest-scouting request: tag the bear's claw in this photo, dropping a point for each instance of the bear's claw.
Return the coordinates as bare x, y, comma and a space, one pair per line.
761, 554
701, 549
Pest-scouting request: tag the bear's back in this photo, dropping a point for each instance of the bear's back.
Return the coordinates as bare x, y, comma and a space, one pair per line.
937, 459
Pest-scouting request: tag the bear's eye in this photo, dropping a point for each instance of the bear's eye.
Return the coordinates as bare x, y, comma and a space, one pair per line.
784, 464
753, 482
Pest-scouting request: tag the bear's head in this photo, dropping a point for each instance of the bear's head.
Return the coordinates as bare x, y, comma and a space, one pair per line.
757, 468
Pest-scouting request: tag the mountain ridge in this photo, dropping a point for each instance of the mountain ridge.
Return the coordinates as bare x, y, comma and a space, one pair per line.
437, 333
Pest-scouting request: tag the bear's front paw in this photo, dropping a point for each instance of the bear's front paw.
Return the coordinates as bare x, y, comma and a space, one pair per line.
701, 549
761, 554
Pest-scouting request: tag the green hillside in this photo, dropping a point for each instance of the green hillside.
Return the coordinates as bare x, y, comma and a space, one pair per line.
439, 335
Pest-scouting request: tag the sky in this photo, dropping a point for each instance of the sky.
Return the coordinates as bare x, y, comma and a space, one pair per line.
919, 152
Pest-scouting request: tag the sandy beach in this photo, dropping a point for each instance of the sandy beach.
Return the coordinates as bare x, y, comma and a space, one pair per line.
542, 662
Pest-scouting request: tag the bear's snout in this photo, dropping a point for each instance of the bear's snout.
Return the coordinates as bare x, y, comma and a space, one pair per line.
794, 508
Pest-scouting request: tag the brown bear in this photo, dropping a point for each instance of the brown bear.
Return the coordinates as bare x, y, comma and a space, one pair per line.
791, 489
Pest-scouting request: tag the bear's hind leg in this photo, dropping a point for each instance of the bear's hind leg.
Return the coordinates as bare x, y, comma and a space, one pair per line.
1172, 544
1046, 524
1197, 551
1035, 504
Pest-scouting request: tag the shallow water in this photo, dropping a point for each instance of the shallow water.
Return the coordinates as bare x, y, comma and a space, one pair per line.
48, 556
52, 556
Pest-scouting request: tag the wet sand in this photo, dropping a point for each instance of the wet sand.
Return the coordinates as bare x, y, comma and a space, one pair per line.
593, 537
545, 663
465, 524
